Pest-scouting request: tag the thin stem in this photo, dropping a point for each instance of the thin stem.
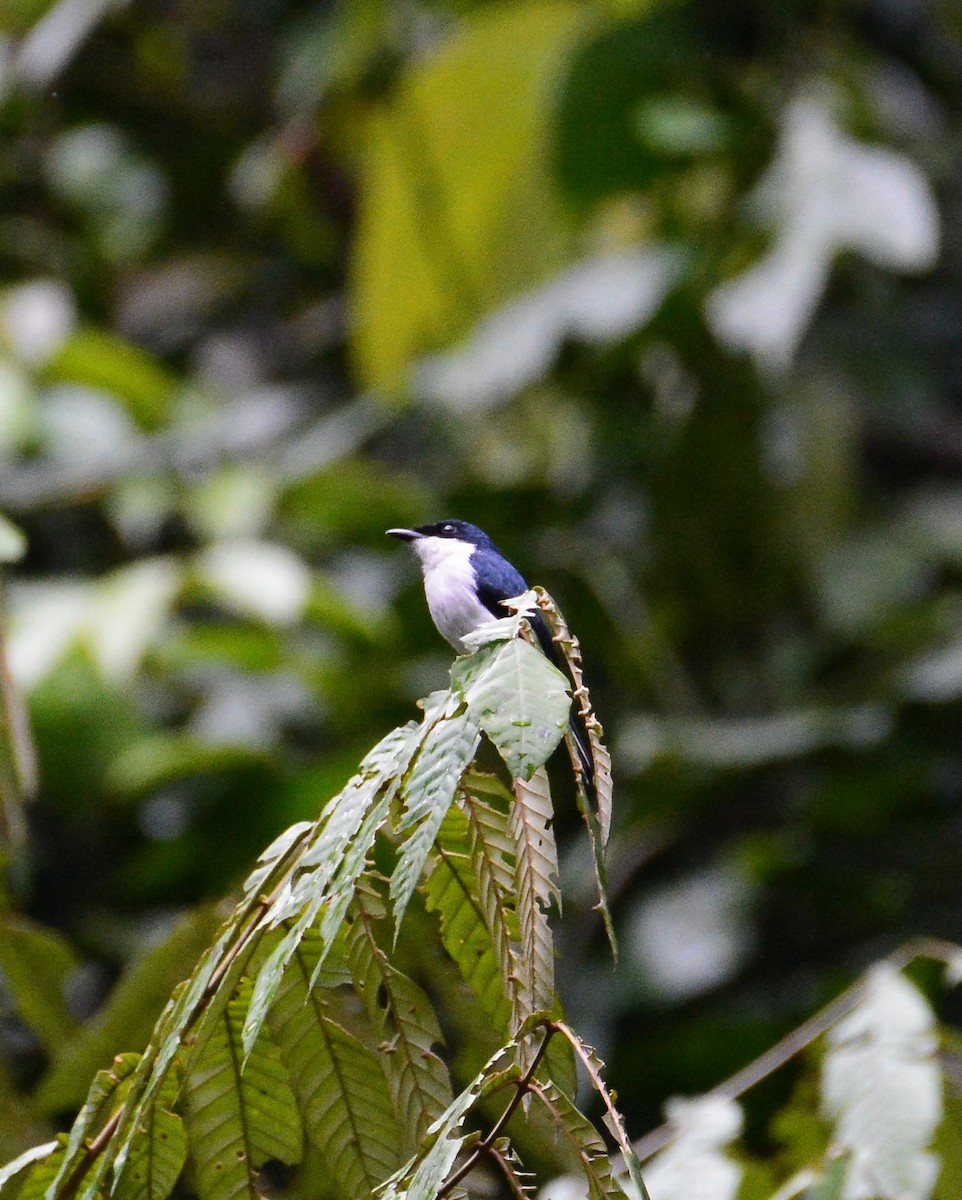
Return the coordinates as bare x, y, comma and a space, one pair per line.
511, 1175
524, 1085
91, 1151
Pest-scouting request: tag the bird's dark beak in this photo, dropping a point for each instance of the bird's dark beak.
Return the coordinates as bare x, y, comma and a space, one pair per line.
405, 535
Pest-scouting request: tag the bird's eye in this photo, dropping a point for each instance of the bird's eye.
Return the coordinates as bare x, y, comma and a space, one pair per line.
449, 529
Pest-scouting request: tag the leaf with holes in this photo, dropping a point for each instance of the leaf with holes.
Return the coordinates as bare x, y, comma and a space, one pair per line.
339, 1083
405, 1021
238, 1117
520, 700
158, 1156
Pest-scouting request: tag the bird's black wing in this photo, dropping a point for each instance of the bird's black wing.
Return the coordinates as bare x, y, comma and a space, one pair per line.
498, 580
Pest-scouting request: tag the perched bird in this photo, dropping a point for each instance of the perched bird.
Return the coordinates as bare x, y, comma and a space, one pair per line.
466, 578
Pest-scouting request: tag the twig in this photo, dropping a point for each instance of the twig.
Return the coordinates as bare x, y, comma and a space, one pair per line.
522, 1086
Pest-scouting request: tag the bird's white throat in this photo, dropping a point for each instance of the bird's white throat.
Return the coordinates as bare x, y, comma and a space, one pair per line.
450, 587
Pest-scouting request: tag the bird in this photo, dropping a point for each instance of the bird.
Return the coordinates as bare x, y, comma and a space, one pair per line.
466, 581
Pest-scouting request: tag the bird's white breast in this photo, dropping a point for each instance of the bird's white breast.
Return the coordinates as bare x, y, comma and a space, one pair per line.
449, 586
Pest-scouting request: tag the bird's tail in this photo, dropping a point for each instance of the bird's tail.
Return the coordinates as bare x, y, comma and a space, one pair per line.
579, 735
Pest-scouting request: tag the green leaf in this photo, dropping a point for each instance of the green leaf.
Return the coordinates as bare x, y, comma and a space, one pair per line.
595, 803
238, 1118
291, 840
405, 1020
107, 1092
37, 1184
448, 748
536, 888
452, 892
330, 864
519, 699
422, 1176
158, 1156
457, 212
197, 1005
339, 1083
36, 963
131, 1011
492, 856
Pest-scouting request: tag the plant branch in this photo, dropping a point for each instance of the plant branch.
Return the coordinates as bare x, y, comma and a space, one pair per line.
522, 1086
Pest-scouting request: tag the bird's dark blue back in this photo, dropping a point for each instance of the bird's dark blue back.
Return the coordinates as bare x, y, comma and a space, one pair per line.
498, 580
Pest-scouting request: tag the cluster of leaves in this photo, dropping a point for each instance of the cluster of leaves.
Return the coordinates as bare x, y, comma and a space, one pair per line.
299, 1042
260, 1048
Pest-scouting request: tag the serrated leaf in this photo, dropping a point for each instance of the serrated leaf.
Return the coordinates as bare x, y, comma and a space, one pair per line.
427, 794
198, 1005
595, 803
131, 1011
492, 854
238, 1118
521, 1182
584, 1140
339, 1083
536, 888
330, 864
291, 839
405, 1020
519, 699
882, 1089
36, 963
451, 892
422, 1176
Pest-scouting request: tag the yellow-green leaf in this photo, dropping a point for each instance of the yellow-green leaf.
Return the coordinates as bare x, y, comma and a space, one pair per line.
458, 209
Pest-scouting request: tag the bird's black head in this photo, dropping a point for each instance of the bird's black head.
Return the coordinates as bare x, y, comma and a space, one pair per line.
460, 531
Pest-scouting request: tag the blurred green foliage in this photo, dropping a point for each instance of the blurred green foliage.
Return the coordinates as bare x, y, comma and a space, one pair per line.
664, 295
